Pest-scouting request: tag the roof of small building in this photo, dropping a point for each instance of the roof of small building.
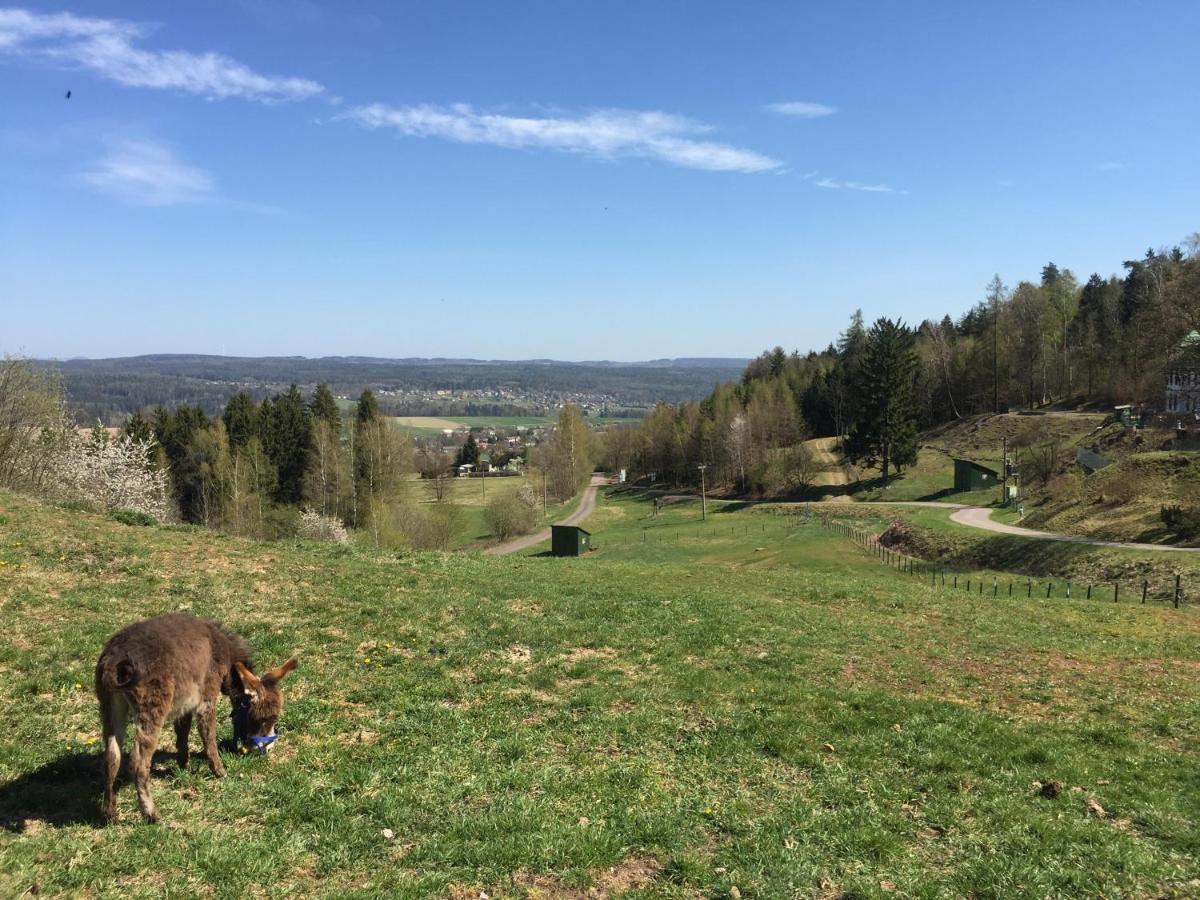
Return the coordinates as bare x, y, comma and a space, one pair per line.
572, 527
973, 464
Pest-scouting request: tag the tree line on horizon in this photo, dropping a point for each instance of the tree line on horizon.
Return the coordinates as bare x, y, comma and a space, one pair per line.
1053, 340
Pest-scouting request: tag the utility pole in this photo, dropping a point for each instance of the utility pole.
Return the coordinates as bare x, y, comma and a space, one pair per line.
544, 513
703, 501
1004, 474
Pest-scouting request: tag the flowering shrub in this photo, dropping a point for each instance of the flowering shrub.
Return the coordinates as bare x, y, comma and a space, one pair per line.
316, 527
115, 474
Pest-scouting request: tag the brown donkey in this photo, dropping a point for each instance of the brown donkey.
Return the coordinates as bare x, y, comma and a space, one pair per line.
170, 668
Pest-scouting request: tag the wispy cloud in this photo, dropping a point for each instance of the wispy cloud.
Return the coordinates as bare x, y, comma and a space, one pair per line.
146, 173
108, 48
838, 184
1111, 166
604, 134
801, 109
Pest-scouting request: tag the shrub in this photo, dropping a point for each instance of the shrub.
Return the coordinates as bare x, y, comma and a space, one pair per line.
1181, 521
132, 517
423, 526
315, 527
507, 515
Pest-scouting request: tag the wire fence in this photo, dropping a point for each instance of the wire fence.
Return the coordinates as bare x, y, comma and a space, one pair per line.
1010, 586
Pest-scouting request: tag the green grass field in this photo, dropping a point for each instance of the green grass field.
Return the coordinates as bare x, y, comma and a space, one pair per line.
769, 710
472, 494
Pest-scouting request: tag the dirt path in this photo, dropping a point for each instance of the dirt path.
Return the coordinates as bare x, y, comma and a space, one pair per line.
832, 470
586, 505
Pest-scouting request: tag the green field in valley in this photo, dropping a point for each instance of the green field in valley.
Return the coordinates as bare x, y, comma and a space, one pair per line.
752, 702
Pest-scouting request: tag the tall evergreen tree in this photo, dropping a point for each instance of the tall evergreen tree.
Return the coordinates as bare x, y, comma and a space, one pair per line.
324, 408
138, 428
287, 436
468, 453
241, 419
175, 433
885, 427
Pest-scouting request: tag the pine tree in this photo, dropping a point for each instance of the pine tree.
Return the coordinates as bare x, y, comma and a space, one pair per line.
468, 453
324, 408
885, 427
138, 428
241, 419
367, 409
287, 436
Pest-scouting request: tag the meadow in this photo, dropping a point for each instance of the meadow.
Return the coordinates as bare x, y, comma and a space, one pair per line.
471, 496
678, 714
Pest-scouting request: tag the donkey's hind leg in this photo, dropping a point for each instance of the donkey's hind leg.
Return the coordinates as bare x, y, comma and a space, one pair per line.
114, 716
145, 740
183, 727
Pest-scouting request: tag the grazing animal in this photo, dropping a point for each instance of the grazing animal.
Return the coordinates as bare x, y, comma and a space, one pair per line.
171, 668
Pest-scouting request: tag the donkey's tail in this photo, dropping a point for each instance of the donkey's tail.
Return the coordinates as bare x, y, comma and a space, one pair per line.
115, 673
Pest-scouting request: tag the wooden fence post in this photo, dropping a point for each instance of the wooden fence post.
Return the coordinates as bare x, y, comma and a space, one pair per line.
1177, 591
1145, 587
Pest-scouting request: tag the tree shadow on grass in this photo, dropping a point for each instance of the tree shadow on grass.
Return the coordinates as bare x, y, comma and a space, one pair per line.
67, 790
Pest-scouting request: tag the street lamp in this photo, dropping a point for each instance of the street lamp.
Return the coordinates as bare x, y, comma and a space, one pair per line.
703, 501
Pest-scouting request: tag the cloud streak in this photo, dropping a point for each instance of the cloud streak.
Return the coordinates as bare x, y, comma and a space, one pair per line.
108, 48
839, 184
801, 109
603, 134
144, 173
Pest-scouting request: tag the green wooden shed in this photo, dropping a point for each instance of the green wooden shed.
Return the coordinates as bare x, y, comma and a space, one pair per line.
569, 540
971, 476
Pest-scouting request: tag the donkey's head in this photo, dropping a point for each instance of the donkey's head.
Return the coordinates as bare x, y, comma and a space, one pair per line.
257, 710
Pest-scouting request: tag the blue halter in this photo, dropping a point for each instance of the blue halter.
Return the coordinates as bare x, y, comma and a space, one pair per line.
241, 725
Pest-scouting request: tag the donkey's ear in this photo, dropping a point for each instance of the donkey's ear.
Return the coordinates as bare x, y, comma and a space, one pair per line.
276, 674
249, 680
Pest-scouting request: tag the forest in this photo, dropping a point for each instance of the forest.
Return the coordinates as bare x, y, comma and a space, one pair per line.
288, 465
1052, 340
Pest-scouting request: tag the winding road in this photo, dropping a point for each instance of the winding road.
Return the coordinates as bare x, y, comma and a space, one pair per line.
586, 505
981, 517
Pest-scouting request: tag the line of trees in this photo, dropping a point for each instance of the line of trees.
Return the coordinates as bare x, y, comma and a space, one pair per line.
1053, 340
251, 468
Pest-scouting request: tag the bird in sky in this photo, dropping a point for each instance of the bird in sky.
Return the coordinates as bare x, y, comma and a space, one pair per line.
68, 95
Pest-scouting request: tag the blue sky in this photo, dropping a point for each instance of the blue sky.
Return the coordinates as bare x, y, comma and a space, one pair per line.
620, 180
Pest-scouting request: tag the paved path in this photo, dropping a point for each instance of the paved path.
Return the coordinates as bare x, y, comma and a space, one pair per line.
586, 505
981, 517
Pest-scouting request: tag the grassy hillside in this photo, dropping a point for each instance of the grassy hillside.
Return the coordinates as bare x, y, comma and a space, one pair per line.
981, 439
1121, 502
768, 710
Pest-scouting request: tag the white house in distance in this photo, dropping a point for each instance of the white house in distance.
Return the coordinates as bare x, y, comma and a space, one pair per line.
1183, 376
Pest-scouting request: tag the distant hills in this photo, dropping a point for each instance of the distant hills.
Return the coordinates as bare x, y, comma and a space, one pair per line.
178, 362
110, 389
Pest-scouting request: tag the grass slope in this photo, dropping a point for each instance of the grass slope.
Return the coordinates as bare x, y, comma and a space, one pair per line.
660, 719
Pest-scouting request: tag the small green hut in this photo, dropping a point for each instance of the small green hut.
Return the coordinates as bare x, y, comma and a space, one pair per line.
971, 476
569, 540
